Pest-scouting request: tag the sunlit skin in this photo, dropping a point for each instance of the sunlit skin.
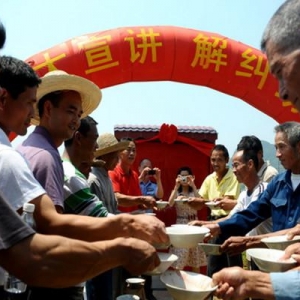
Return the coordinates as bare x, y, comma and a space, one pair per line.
218, 163
289, 157
239, 167
128, 156
62, 121
88, 145
16, 114
286, 69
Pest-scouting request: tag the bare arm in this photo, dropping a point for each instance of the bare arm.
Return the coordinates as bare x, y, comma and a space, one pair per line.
127, 200
160, 190
95, 229
46, 256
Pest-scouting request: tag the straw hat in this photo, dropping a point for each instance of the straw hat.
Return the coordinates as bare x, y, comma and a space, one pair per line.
107, 143
59, 80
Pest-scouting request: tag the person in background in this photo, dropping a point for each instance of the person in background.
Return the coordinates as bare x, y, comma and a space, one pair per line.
125, 182
77, 160
265, 171
148, 187
107, 285
222, 187
185, 188
128, 194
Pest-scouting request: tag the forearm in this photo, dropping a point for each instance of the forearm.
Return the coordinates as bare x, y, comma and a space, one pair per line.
160, 190
37, 260
173, 196
127, 201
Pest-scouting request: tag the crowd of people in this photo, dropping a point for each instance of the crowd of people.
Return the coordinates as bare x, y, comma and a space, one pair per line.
87, 202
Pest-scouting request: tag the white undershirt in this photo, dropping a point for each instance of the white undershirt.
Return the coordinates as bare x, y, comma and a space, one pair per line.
295, 178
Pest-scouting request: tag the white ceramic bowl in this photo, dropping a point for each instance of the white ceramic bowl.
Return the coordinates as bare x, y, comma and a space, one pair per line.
280, 242
211, 204
210, 249
166, 261
186, 236
269, 260
128, 297
136, 280
183, 285
161, 204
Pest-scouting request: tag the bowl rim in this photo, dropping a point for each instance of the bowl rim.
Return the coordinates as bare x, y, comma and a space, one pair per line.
204, 230
283, 236
185, 290
285, 262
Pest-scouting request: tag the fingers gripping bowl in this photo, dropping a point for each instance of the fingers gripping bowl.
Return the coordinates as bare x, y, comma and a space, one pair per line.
183, 285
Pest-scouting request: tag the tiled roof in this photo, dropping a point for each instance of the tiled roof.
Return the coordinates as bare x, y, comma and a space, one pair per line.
155, 128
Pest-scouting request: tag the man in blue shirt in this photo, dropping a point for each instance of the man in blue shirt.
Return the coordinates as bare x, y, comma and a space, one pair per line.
281, 42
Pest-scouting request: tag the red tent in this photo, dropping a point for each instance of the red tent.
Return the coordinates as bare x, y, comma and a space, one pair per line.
169, 148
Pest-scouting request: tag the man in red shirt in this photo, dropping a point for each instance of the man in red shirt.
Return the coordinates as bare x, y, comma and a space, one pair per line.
125, 182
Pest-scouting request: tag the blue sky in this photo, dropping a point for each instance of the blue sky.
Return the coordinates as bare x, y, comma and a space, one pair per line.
35, 25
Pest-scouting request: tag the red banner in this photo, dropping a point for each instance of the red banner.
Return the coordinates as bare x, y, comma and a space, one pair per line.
158, 53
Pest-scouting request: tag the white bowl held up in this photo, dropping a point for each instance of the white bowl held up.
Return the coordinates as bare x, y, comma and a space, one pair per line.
269, 260
183, 285
161, 204
186, 236
166, 261
280, 242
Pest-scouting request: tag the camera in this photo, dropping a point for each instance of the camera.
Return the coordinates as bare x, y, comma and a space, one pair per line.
151, 172
183, 179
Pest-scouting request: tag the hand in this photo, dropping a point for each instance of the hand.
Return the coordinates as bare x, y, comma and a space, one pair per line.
225, 203
199, 223
292, 251
196, 203
235, 245
142, 253
144, 173
191, 180
157, 174
147, 228
231, 283
147, 201
294, 231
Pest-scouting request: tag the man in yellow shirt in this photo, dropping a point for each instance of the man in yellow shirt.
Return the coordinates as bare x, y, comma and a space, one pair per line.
222, 187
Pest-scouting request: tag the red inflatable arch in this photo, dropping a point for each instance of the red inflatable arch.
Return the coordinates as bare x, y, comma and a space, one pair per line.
159, 53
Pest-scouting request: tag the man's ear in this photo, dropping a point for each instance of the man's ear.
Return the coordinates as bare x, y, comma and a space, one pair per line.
3, 97
77, 137
47, 108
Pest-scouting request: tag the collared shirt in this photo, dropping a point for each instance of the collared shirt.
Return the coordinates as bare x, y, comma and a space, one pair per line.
244, 201
78, 198
149, 188
45, 163
278, 201
127, 184
211, 189
286, 285
101, 185
266, 173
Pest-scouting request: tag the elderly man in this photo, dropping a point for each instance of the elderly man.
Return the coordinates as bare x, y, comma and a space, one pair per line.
280, 201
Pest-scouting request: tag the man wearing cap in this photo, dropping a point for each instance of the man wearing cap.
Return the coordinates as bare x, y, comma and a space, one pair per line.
106, 286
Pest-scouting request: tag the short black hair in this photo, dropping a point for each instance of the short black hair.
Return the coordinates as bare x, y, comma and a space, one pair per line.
222, 148
85, 126
250, 154
16, 76
250, 142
